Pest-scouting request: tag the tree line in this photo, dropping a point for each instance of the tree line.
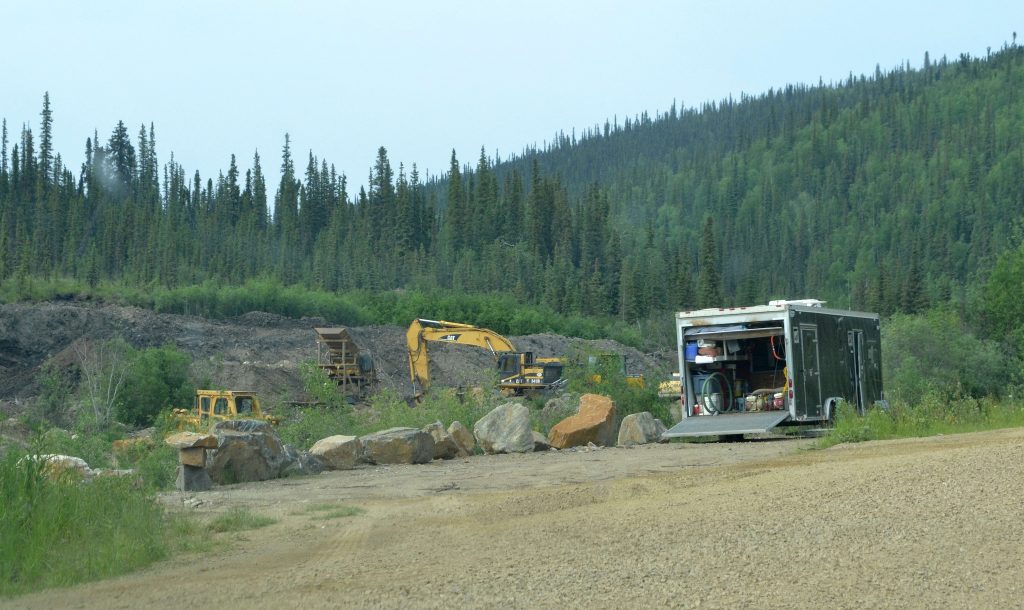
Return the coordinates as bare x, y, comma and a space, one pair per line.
887, 192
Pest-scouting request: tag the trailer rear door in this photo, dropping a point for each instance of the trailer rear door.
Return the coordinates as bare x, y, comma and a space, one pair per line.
734, 423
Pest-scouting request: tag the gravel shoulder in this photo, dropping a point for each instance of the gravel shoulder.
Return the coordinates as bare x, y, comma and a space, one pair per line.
913, 523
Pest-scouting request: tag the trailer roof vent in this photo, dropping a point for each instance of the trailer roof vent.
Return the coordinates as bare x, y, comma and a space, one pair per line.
804, 302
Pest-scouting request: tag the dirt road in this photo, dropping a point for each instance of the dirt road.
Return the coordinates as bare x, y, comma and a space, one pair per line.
918, 523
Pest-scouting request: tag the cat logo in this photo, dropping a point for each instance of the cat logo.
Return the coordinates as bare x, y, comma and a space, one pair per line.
449, 338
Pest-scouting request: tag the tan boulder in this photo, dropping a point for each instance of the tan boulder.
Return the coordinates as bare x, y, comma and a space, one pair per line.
339, 452
445, 447
193, 456
191, 440
398, 446
463, 438
593, 423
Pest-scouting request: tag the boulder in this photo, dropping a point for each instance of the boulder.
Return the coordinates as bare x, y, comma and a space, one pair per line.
506, 429
558, 408
540, 442
462, 438
300, 463
195, 456
191, 478
445, 447
61, 467
594, 423
398, 446
339, 452
188, 440
247, 450
640, 429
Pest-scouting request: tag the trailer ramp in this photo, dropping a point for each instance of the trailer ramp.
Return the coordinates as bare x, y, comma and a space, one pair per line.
734, 423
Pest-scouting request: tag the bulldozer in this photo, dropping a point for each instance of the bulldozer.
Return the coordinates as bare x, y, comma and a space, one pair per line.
218, 405
520, 372
619, 365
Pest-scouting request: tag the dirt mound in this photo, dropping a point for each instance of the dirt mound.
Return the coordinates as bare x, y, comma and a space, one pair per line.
256, 351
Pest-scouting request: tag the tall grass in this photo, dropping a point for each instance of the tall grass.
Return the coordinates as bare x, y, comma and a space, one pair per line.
935, 413
61, 532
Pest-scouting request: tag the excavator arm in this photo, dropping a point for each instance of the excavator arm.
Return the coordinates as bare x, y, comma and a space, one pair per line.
423, 331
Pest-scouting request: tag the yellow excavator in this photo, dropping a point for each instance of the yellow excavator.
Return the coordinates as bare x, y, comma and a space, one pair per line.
520, 372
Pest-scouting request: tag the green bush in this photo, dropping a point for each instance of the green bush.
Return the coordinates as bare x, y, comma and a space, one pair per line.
936, 352
157, 381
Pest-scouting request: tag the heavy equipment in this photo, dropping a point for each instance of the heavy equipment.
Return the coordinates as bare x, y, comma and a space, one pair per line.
614, 364
218, 405
340, 358
520, 372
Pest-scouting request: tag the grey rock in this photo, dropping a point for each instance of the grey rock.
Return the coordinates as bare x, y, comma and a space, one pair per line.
506, 429
251, 450
191, 478
300, 463
640, 429
540, 442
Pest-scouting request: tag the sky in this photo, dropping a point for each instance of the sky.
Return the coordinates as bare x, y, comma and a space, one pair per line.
423, 78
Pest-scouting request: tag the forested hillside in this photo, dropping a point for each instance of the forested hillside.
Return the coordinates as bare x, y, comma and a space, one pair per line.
886, 192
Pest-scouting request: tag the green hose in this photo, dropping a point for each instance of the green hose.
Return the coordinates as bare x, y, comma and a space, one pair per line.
724, 387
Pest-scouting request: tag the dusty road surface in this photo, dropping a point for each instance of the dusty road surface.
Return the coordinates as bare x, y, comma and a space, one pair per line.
929, 523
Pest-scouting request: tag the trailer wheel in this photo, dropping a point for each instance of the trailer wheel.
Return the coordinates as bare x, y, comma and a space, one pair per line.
831, 405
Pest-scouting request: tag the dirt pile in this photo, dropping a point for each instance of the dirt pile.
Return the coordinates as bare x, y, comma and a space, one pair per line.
255, 351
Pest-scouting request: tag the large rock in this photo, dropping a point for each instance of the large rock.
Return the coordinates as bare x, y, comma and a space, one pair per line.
506, 429
594, 423
398, 446
558, 408
540, 442
463, 438
192, 478
445, 447
61, 467
251, 450
640, 429
188, 440
339, 452
300, 463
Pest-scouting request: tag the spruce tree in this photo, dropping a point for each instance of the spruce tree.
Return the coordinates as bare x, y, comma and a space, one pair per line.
709, 289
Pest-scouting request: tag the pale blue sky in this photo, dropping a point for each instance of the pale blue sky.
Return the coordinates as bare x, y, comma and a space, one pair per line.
422, 78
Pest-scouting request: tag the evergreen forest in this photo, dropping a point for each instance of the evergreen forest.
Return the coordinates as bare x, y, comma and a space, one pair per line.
890, 192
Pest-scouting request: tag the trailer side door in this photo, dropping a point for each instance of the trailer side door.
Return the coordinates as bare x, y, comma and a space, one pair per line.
808, 378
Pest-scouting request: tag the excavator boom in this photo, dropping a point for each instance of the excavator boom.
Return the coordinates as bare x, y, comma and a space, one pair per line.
517, 364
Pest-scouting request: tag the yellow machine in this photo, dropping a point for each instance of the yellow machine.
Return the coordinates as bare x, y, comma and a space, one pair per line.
218, 405
616, 363
520, 372
340, 358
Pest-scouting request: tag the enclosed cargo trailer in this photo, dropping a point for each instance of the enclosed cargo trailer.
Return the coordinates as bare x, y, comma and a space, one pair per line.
746, 370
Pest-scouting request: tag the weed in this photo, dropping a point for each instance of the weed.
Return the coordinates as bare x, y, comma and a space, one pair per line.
333, 511
239, 519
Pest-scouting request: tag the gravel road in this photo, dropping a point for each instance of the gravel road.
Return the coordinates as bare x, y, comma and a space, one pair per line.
923, 523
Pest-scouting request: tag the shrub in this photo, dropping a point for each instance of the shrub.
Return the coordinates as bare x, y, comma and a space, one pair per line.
157, 381
935, 352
